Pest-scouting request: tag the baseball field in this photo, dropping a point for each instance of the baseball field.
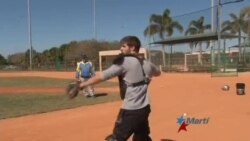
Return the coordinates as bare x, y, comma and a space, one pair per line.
209, 112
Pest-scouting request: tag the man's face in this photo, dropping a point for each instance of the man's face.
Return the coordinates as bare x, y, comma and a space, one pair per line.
125, 49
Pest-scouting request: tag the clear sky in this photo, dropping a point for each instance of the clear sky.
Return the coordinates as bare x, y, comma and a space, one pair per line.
55, 22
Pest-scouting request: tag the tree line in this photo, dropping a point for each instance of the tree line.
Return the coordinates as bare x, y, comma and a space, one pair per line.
161, 25
66, 54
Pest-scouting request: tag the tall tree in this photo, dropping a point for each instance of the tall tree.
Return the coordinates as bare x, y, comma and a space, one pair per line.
17, 59
245, 12
163, 26
3, 61
238, 24
197, 27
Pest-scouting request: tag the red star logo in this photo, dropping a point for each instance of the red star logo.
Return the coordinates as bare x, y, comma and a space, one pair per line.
183, 126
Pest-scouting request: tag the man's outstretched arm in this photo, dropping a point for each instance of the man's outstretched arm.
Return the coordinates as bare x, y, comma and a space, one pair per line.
112, 71
93, 80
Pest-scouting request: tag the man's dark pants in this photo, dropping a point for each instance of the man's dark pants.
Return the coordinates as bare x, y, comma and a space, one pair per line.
132, 122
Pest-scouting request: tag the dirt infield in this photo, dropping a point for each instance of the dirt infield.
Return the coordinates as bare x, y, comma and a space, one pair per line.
172, 95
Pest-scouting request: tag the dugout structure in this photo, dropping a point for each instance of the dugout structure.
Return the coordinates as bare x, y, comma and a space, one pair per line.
104, 61
219, 62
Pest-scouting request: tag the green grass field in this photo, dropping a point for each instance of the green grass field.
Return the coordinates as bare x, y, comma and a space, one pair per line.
43, 82
15, 105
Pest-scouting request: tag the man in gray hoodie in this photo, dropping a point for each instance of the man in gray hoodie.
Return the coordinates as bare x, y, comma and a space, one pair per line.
134, 74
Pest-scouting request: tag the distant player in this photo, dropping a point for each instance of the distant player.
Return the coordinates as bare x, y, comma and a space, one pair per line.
85, 71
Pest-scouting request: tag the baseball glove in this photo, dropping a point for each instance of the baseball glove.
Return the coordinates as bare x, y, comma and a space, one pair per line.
72, 89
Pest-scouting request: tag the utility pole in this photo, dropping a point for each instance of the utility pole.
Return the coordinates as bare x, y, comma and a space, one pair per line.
30, 37
94, 12
149, 45
219, 25
212, 15
219, 32
212, 30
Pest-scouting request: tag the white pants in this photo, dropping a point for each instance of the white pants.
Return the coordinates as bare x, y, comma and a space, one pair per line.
89, 90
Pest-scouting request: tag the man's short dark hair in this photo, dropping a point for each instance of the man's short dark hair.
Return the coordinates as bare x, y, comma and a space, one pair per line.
131, 41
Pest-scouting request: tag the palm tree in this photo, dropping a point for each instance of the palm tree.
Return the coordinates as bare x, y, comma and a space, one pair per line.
245, 12
197, 27
238, 24
163, 26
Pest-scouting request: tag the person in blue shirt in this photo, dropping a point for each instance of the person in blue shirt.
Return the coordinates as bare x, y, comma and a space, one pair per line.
85, 71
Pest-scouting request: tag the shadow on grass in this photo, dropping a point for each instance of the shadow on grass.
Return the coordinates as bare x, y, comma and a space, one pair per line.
167, 140
100, 94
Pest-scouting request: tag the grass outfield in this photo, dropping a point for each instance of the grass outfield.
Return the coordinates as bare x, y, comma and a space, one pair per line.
15, 105
43, 82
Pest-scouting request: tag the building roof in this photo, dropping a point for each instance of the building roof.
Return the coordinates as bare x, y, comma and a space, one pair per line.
194, 38
241, 45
